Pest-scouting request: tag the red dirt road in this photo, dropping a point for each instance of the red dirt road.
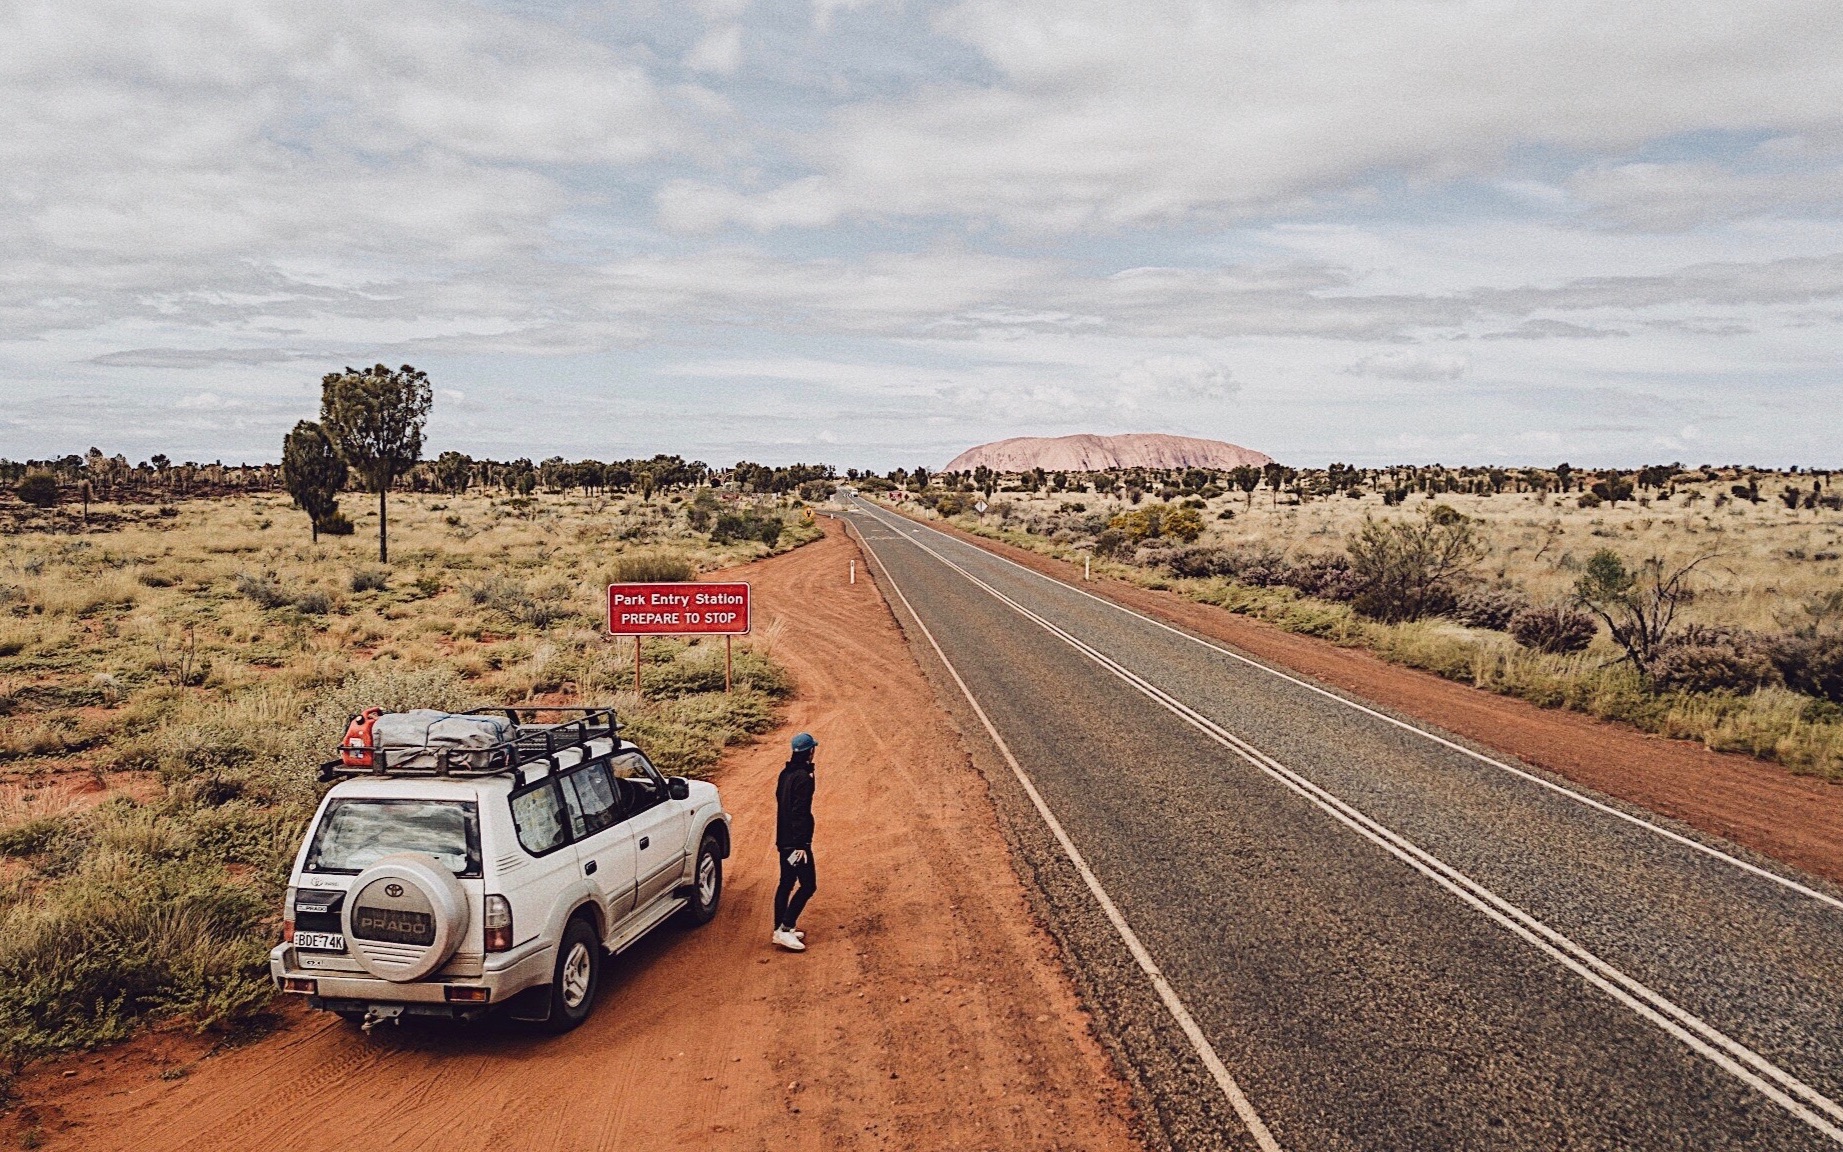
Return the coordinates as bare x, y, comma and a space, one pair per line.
929, 1013
1797, 820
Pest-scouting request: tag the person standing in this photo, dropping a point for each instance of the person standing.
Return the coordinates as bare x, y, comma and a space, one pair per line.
793, 841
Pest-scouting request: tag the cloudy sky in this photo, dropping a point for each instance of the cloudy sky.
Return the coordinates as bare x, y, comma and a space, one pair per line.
875, 232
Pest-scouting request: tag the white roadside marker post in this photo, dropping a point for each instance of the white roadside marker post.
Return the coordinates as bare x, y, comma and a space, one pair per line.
1085, 561
854, 571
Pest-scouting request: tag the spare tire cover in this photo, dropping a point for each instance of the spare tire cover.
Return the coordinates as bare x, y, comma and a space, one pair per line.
405, 916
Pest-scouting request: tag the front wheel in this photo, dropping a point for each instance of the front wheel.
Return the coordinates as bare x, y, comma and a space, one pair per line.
707, 883
579, 969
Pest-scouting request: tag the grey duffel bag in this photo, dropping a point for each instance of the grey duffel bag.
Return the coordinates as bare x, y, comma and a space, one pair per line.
426, 738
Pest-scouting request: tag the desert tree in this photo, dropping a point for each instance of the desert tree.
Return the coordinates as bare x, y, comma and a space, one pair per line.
1638, 603
39, 489
1406, 569
374, 419
313, 473
1247, 478
453, 471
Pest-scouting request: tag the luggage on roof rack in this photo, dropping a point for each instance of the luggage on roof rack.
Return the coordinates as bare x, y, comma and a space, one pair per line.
480, 742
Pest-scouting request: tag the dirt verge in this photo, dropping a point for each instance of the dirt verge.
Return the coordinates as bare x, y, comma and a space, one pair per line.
1797, 820
929, 1013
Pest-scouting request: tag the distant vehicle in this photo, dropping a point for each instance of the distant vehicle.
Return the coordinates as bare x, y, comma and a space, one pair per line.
468, 862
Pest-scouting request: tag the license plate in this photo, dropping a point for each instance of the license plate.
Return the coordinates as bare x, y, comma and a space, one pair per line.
320, 941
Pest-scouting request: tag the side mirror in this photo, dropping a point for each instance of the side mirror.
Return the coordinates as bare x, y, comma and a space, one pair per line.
678, 788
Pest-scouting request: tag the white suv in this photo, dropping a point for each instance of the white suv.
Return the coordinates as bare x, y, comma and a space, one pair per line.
447, 883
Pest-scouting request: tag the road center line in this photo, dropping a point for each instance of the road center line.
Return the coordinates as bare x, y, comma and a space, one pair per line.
1579, 798
1733, 1057
1168, 995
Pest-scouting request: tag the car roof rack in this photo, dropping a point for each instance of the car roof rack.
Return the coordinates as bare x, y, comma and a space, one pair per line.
529, 744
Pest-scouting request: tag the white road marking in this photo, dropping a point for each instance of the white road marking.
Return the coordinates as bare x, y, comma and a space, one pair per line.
1698, 1035
1168, 995
1598, 806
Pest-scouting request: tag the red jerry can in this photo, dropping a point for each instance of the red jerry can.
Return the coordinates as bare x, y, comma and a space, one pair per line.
355, 749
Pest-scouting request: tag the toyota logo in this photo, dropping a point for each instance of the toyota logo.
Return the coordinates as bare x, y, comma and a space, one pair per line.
393, 890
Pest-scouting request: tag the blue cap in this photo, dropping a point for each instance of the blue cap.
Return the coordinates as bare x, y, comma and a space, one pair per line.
804, 743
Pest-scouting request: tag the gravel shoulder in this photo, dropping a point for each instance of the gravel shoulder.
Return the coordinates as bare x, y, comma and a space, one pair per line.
1796, 820
931, 1011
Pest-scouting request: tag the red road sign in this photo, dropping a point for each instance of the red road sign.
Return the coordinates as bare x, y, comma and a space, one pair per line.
678, 609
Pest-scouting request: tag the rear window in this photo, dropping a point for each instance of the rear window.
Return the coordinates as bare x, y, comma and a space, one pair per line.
355, 834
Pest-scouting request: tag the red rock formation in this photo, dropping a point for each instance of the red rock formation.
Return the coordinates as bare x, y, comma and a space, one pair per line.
1095, 453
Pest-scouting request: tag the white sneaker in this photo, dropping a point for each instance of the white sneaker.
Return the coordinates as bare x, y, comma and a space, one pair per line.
789, 939
799, 933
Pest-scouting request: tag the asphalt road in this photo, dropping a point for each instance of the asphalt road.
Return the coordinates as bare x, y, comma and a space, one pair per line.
1302, 926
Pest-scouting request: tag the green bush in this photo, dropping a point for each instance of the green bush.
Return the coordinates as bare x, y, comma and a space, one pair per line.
369, 580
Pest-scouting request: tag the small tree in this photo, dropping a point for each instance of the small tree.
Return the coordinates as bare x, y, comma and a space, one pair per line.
453, 470
1639, 605
40, 490
313, 473
1247, 477
1406, 569
374, 419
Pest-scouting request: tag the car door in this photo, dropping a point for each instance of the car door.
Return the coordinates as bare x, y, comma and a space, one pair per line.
536, 879
604, 843
660, 827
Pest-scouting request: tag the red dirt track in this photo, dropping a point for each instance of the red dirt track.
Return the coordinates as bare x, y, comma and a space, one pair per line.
1797, 820
929, 1013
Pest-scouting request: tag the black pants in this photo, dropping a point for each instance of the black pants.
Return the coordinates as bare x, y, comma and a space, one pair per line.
787, 901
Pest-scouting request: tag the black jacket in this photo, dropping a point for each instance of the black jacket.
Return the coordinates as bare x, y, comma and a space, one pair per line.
793, 801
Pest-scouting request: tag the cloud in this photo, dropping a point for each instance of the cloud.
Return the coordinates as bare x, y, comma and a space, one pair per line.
192, 357
1175, 377
720, 51
1102, 115
1412, 364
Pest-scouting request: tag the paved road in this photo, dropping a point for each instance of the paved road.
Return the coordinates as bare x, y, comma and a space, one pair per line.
1303, 926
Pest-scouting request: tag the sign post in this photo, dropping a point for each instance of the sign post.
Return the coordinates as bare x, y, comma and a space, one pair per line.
679, 609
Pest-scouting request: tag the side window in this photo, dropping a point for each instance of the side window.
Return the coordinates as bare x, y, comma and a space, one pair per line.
639, 781
538, 816
591, 798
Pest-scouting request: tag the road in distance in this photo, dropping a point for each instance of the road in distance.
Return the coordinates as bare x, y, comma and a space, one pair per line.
1387, 943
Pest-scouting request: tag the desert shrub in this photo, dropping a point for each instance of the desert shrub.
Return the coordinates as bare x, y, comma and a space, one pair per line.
126, 936
369, 580
1810, 663
335, 524
1702, 658
701, 670
1327, 577
39, 490
735, 526
1489, 607
265, 590
1406, 569
650, 568
1184, 524
314, 602
31, 837
1553, 628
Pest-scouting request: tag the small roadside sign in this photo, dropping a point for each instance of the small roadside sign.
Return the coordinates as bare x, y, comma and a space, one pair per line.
980, 507
678, 609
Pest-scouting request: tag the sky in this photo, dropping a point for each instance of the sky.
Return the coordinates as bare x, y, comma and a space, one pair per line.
876, 232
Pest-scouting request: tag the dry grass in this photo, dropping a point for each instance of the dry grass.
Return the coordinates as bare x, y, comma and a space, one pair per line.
214, 656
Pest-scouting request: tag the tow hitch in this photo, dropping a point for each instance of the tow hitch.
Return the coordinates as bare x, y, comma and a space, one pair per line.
379, 1013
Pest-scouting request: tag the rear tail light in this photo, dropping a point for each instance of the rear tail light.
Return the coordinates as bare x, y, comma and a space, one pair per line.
457, 994
498, 924
288, 916
301, 984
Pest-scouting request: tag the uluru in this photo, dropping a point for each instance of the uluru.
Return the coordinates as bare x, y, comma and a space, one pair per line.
1098, 453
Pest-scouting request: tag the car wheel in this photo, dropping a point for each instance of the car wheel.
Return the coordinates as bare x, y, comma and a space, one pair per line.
579, 970
706, 883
